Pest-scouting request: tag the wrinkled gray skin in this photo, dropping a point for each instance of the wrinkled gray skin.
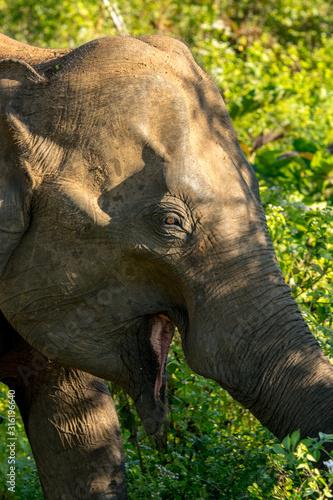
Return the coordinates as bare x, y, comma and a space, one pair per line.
69, 416
70, 421
128, 207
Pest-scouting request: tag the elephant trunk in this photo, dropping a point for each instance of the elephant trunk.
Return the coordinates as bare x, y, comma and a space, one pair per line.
257, 346
290, 380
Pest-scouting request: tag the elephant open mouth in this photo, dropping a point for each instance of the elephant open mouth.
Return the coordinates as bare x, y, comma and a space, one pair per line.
162, 332
149, 395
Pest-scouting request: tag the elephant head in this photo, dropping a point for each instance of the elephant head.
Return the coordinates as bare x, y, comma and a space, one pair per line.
127, 207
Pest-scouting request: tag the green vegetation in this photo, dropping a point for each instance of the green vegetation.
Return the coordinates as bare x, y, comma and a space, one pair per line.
273, 63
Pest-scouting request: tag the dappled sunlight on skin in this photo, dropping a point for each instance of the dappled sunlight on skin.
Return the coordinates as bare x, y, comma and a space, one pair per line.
264, 355
152, 219
73, 412
130, 196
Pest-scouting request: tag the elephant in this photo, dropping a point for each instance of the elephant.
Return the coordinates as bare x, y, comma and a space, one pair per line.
128, 209
65, 411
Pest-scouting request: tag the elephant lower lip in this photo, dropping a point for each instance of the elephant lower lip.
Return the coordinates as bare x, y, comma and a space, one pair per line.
161, 336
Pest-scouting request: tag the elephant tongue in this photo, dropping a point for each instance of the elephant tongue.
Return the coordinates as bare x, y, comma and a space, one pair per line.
161, 336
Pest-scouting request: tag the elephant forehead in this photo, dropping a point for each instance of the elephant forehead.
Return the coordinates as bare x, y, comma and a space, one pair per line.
159, 116
156, 113
137, 110
112, 92
130, 108
157, 135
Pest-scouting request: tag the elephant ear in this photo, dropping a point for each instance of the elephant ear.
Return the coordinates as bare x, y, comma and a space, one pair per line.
15, 186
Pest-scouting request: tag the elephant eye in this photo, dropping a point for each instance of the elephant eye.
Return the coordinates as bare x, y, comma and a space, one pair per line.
172, 221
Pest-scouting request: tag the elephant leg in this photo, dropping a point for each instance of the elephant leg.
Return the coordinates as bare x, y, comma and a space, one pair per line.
71, 423
74, 433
